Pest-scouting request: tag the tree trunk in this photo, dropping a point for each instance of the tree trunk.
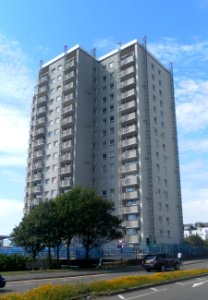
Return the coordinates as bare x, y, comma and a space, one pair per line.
68, 253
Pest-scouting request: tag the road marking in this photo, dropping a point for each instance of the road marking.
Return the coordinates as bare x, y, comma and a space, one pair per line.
154, 291
199, 283
121, 297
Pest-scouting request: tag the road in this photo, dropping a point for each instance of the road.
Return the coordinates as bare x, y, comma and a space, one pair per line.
23, 285
185, 290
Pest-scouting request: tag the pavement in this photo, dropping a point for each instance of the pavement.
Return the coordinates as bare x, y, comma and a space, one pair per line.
74, 272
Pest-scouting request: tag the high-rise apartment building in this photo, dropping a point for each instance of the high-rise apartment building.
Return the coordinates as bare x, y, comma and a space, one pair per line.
110, 124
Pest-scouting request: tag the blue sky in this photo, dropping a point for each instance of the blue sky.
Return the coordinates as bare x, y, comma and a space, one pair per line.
31, 31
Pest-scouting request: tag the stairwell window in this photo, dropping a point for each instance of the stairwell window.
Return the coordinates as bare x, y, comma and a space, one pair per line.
111, 119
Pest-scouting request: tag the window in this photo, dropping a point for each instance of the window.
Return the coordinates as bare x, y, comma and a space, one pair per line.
111, 130
49, 146
104, 121
51, 101
112, 166
104, 143
58, 109
111, 65
112, 107
50, 123
59, 77
55, 155
58, 99
132, 217
104, 168
53, 70
112, 142
111, 75
104, 99
54, 179
111, 119
104, 111
48, 156
104, 132
52, 91
112, 191
104, 193
56, 144
104, 88
47, 181
104, 156
112, 153
53, 193
59, 88
55, 167
111, 86
131, 231
111, 97
57, 120
104, 78
60, 67
56, 132
50, 133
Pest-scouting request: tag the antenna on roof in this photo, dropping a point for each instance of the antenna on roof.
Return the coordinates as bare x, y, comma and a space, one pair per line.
93, 51
65, 48
118, 45
41, 63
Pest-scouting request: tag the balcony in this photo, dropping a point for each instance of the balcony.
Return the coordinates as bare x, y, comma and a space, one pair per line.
43, 80
128, 83
130, 195
67, 133
66, 157
38, 165
69, 76
41, 121
130, 209
42, 101
128, 130
37, 177
129, 224
70, 64
42, 90
68, 110
66, 170
37, 189
39, 132
127, 73
128, 60
66, 145
129, 154
128, 168
129, 142
39, 143
129, 106
41, 111
66, 183
67, 121
128, 94
68, 99
68, 87
128, 117
38, 154
133, 239
133, 180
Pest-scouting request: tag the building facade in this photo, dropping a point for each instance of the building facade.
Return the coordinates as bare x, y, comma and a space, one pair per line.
109, 124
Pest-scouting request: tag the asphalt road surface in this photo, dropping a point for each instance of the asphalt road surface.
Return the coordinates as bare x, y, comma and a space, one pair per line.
185, 290
23, 285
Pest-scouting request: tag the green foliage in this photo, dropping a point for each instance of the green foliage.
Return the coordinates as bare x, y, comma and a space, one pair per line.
80, 212
195, 240
12, 262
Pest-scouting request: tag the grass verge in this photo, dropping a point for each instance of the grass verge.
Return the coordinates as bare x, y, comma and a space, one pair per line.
75, 291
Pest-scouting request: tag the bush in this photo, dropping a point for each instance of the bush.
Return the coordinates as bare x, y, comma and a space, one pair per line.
12, 262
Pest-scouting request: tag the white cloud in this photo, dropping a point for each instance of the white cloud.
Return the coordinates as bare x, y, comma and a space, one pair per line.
16, 83
11, 214
195, 209
105, 44
198, 145
14, 133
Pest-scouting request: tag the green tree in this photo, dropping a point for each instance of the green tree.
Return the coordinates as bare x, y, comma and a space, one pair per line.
96, 225
27, 236
68, 215
195, 240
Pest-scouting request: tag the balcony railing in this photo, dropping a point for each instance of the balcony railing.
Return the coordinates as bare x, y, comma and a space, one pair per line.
129, 154
133, 167
128, 117
128, 105
128, 129
130, 209
66, 183
128, 82
66, 170
130, 195
133, 180
67, 121
37, 189
130, 224
66, 157
40, 131
37, 177
40, 121
127, 60
68, 109
127, 71
128, 94
41, 111
128, 142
